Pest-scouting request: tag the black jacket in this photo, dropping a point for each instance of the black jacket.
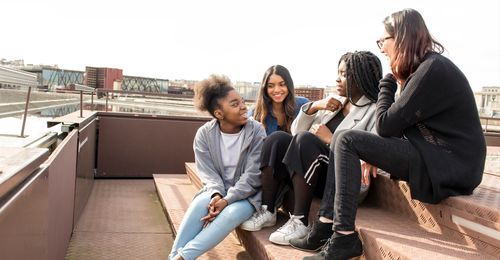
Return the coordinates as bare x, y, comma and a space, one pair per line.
437, 113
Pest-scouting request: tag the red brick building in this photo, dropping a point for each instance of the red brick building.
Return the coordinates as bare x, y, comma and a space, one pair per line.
312, 94
102, 77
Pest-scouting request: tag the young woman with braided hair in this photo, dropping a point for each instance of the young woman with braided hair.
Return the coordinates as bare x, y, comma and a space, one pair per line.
430, 136
300, 159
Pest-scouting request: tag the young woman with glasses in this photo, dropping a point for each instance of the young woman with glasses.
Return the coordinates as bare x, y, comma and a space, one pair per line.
430, 136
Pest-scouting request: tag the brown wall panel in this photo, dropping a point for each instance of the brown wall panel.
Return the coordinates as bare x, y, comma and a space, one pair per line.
85, 166
24, 221
62, 174
136, 146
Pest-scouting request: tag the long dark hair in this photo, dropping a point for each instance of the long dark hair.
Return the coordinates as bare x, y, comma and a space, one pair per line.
412, 41
364, 71
264, 102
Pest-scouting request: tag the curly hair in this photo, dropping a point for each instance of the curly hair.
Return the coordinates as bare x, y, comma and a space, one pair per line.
209, 91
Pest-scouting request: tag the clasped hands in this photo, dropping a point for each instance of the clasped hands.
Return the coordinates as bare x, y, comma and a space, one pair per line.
216, 205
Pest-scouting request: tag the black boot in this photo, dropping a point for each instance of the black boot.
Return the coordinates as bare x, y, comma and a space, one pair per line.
340, 247
315, 239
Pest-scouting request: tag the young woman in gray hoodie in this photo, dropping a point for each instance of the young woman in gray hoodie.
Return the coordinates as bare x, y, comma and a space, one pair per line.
227, 155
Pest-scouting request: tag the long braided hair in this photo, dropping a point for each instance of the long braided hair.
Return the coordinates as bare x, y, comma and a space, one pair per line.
364, 71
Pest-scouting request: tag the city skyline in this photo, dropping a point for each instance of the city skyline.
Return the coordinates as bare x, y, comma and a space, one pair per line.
193, 39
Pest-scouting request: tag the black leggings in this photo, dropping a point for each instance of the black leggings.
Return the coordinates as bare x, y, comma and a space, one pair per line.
300, 161
392, 155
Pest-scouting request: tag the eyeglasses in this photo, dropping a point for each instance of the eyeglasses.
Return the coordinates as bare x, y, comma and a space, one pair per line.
381, 41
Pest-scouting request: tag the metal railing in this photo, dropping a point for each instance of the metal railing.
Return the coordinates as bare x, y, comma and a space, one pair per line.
490, 124
81, 92
99, 93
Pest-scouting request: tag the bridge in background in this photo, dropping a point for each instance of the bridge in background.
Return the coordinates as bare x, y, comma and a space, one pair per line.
52, 77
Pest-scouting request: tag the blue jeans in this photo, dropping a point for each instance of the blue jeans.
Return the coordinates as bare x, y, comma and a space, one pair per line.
193, 240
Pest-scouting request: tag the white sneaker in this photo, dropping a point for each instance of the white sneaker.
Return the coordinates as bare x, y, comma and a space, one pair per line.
259, 219
294, 228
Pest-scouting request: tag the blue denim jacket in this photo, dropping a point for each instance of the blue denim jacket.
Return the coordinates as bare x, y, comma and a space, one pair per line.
272, 122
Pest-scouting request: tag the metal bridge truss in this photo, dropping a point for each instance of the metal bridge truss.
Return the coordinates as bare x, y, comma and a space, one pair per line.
60, 77
144, 84
54, 77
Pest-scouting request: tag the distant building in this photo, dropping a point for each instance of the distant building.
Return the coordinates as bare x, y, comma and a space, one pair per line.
11, 63
248, 90
330, 90
182, 83
181, 87
104, 78
488, 101
14, 78
312, 94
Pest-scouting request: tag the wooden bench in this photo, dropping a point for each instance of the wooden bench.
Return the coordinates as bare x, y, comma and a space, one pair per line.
393, 226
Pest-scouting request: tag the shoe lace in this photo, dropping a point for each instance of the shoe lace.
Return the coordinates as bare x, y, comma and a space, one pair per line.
291, 225
258, 216
324, 248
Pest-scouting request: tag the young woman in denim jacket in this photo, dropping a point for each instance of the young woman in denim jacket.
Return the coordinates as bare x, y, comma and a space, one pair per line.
276, 104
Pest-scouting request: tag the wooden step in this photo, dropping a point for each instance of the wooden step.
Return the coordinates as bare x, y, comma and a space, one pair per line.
192, 174
388, 235
474, 218
287, 201
176, 192
389, 221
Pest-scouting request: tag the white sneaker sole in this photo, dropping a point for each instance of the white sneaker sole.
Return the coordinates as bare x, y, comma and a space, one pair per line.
252, 229
279, 242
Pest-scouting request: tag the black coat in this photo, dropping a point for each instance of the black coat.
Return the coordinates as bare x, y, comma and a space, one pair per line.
437, 113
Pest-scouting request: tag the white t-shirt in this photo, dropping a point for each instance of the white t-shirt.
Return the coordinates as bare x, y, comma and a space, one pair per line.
230, 148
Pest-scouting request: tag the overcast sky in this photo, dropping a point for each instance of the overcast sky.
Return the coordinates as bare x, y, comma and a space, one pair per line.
191, 39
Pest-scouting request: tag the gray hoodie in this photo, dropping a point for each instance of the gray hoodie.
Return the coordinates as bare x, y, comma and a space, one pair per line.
246, 183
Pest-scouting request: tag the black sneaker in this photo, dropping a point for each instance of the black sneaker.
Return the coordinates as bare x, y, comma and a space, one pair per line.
340, 247
315, 239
